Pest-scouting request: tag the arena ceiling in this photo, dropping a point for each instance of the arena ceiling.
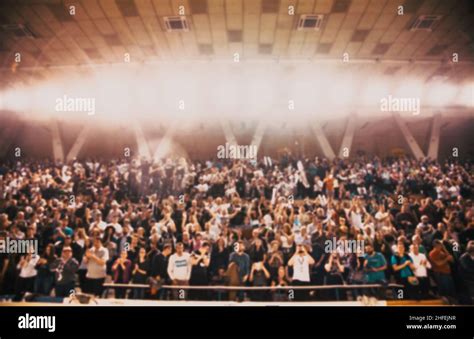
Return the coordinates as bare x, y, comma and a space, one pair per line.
376, 38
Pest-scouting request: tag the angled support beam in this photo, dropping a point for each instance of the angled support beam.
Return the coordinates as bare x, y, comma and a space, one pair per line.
77, 146
165, 142
58, 149
143, 149
434, 137
229, 136
346, 143
323, 141
414, 147
258, 135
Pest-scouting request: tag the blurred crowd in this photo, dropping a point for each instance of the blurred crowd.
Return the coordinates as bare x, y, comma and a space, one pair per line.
240, 223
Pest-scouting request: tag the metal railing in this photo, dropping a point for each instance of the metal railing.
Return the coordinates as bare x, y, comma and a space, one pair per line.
221, 290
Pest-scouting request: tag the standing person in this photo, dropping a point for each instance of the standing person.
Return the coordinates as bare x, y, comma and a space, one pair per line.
441, 259
122, 269
28, 272
259, 276
403, 267
45, 277
275, 259
242, 260
301, 261
421, 264
466, 272
280, 280
199, 273
65, 269
334, 275
96, 259
179, 269
219, 257
232, 277
140, 273
375, 266
159, 271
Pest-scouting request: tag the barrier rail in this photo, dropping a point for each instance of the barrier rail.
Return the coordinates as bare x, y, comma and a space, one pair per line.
222, 288
253, 288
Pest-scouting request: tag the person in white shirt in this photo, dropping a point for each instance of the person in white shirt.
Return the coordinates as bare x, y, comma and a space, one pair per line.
96, 259
98, 224
28, 272
301, 261
422, 265
179, 269
381, 217
116, 225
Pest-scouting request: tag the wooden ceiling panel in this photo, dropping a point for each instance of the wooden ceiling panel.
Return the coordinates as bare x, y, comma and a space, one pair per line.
122, 29
323, 6
234, 7
218, 31
305, 7
202, 29
35, 22
368, 20
102, 30
428, 6
234, 21
267, 28
367, 49
145, 8
138, 31
163, 7
351, 20
93, 9
445, 7
110, 9
358, 6
87, 27
216, 7
79, 11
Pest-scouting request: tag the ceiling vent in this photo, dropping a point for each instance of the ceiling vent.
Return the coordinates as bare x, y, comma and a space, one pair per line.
176, 24
310, 22
18, 30
425, 22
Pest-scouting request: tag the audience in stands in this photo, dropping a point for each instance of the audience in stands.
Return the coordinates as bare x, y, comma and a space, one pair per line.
235, 222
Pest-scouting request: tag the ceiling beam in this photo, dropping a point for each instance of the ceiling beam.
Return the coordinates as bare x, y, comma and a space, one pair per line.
348, 136
414, 147
258, 135
143, 148
433, 147
58, 149
323, 141
78, 143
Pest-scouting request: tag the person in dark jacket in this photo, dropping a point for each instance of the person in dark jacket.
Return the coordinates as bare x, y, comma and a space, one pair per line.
65, 269
159, 273
122, 270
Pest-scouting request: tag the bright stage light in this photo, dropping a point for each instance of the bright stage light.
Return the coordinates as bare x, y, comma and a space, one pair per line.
16, 100
466, 96
197, 92
342, 91
374, 91
409, 88
441, 94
